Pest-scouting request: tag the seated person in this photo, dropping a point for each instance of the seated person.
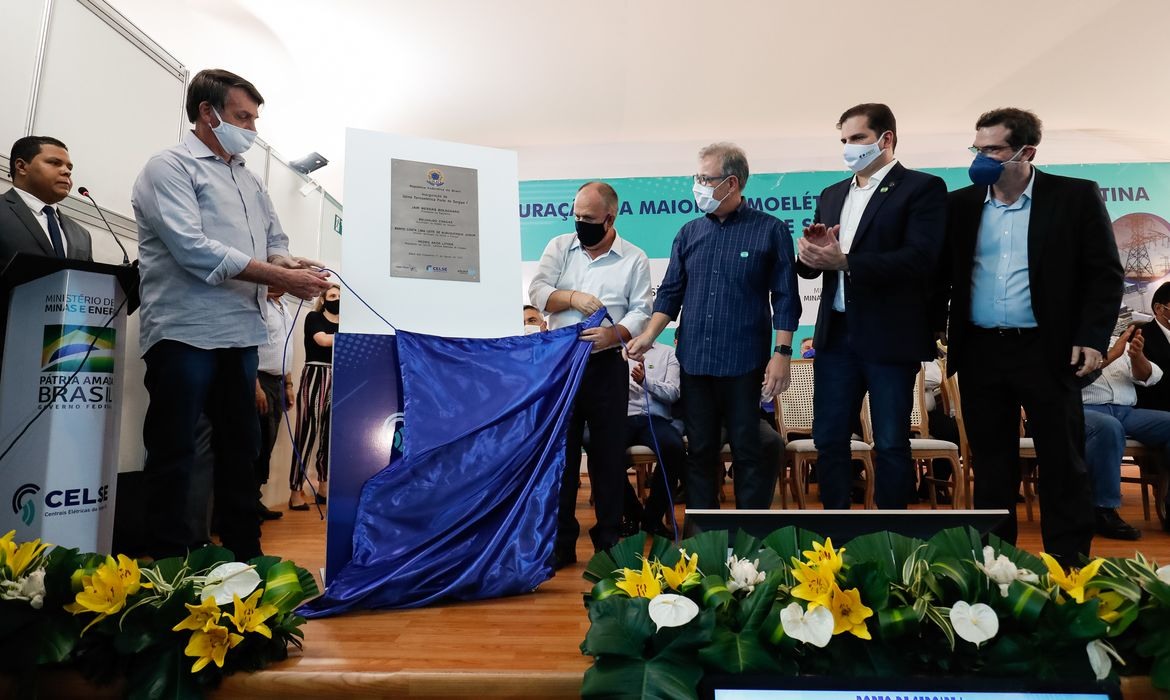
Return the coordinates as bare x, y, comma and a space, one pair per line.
942, 426
1112, 396
534, 321
659, 374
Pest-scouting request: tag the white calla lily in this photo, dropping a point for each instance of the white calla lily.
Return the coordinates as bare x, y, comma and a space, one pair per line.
1164, 574
1099, 653
670, 610
229, 578
813, 627
975, 623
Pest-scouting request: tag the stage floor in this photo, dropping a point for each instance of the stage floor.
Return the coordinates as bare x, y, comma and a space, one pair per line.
525, 646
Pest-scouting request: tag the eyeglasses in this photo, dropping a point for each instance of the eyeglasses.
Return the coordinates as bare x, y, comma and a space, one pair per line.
708, 180
988, 150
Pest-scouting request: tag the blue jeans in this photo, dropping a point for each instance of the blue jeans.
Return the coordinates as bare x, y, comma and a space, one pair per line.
841, 379
1106, 427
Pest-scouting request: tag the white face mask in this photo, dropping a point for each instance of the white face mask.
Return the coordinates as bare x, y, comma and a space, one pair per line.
531, 330
858, 156
233, 139
705, 196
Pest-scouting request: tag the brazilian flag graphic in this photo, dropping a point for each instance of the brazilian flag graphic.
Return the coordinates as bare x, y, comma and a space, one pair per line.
65, 347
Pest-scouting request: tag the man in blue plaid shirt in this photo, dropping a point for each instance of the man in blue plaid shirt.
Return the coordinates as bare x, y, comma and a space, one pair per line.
731, 275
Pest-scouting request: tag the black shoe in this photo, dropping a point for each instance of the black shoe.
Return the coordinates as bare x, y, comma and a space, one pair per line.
629, 527
1110, 524
268, 514
322, 499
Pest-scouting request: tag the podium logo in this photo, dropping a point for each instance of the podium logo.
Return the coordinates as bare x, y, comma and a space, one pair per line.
24, 503
435, 178
65, 349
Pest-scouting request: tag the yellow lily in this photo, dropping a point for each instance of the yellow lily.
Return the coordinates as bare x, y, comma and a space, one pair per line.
685, 573
640, 585
131, 575
1073, 583
202, 617
816, 584
103, 592
1109, 609
248, 617
849, 614
210, 645
825, 557
16, 557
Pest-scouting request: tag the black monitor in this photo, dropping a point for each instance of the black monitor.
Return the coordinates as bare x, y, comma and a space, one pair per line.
843, 525
747, 687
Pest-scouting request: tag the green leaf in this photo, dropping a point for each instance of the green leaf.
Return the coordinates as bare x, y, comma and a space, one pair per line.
958, 543
1024, 602
626, 554
888, 550
618, 626
205, 558
284, 586
715, 593
711, 546
756, 605
739, 652
656, 679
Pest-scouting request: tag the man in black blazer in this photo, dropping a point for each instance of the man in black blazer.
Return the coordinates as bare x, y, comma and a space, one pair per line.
1156, 334
1035, 287
1157, 350
876, 238
30, 221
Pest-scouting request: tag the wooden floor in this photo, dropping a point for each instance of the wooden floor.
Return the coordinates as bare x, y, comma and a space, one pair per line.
525, 646
517, 647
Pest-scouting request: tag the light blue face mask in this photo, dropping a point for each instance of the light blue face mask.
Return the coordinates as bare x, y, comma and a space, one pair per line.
233, 139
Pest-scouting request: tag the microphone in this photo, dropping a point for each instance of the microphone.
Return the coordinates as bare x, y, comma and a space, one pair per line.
84, 192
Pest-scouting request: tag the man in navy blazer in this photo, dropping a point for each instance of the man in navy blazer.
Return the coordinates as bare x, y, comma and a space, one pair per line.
875, 242
42, 175
1035, 285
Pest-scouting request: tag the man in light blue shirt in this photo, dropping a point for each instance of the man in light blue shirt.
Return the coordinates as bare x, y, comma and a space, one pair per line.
1034, 286
210, 245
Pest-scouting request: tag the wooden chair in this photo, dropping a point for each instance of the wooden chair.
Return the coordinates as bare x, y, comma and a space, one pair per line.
1151, 476
925, 449
965, 480
794, 415
641, 460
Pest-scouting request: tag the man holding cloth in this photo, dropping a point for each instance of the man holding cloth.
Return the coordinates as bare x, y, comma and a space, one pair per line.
580, 273
730, 274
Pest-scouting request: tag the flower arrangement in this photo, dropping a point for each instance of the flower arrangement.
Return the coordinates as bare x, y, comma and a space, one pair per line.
793, 603
173, 628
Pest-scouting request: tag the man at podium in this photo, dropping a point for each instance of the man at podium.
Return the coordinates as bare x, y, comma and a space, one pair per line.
30, 222
210, 245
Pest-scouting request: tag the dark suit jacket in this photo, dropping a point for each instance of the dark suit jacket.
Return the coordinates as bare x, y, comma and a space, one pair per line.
1074, 272
1157, 350
20, 232
892, 263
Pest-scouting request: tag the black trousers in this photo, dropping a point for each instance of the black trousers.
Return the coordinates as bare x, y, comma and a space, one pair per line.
666, 476
709, 403
601, 403
270, 423
184, 382
1008, 370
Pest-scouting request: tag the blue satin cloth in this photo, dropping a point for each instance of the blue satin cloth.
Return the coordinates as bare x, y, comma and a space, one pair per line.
470, 509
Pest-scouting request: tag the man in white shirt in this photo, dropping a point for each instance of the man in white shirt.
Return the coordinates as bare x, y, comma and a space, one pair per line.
654, 386
1110, 410
274, 385
42, 176
580, 273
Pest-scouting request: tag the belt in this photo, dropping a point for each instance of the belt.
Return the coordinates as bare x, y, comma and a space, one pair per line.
1005, 332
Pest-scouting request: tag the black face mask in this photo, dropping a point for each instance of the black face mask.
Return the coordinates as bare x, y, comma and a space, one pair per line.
332, 306
590, 234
